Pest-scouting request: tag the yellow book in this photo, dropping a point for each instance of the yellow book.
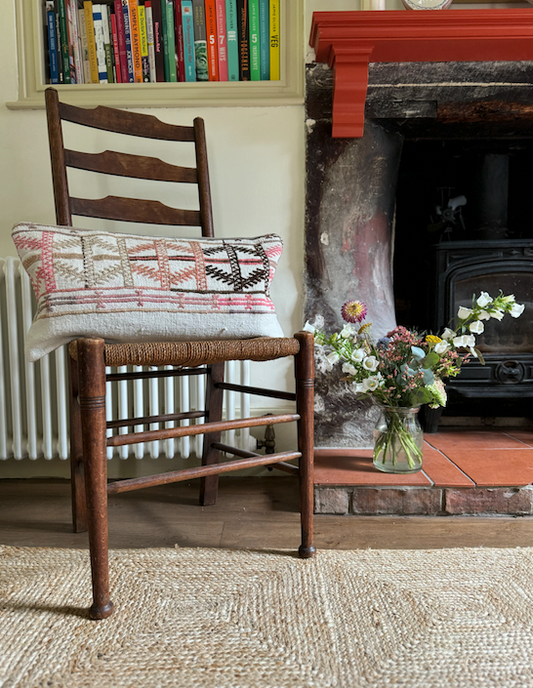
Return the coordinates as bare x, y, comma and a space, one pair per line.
143, 35
274, 41
135, 41
91, 43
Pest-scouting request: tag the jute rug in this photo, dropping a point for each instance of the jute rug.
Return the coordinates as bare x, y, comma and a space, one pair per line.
264, 619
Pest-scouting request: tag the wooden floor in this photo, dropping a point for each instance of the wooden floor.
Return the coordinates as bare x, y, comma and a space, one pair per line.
254, 513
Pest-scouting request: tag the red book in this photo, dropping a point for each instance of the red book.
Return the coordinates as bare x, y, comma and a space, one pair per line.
211, 31
121, 38
222, 40
118, 76
158, 41
179, 43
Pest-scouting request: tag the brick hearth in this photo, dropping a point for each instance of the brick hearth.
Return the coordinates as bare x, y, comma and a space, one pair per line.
465, 472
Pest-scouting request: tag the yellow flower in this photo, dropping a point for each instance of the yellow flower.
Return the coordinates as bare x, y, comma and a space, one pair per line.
432, 339
364, 328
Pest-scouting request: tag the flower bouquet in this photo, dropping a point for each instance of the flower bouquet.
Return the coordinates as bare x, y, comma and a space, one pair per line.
404, 370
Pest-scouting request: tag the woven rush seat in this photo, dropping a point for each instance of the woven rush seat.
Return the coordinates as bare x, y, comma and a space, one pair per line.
193, 354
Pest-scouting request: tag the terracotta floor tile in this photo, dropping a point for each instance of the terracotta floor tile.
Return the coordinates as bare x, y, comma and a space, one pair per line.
472, 440
524, 435
354, 467
495, 467
441, 471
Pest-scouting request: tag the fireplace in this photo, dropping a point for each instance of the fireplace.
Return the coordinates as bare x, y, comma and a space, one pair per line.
380, 225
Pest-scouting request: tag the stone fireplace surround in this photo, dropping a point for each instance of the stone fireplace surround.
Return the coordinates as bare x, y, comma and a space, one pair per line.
351, 186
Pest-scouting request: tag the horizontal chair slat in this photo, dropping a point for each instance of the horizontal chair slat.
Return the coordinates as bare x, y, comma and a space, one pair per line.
280, 465
149, 374
198, 472
124, 122
134, 210
189, 430
259, 391
133, 166
149, 420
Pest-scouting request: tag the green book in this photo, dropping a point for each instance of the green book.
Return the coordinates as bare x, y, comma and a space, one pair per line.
255, 46
171, 42
65, 60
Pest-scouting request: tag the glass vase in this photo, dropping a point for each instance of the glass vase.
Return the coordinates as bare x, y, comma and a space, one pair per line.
398, 440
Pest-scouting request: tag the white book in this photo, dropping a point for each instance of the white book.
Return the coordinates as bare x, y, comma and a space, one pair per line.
100, 44
150, 40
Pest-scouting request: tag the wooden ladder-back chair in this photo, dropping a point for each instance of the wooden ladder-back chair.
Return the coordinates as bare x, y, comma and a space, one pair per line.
90, 356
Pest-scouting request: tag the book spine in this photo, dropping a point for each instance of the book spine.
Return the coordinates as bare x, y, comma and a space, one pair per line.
232, 40
59, 56
84, 47
116, 52
65, 59
264, 39
150, 39
200, 40
99, 40
211, 33
158, 41
180, 56
135, 41
165, 38
108, 47
171, 41
75, 41
121, 38
244, 40
52, 43
222, 40
127, 39
255, 65
68, 10
188, 40
274, 41
91, 41
144, 44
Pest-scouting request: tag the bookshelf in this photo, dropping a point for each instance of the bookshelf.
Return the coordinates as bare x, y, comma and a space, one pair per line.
288, 90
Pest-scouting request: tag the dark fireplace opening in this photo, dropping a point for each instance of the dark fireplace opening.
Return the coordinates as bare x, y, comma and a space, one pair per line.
464, 223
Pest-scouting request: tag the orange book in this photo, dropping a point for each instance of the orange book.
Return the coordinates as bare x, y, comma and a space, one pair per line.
135, 42
211, 30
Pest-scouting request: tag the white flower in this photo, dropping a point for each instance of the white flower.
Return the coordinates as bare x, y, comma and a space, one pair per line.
464, 313
484, 299
497, 313
473, 352
483, 315
517, 310
370, 363
370, 384
476, 327
358, 387
358, 355
348, 331
309, 328
333, 357
448, 334
349, 368
508, 299
464, 341
441, 347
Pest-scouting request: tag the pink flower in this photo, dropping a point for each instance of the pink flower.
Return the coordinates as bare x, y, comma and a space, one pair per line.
353, 311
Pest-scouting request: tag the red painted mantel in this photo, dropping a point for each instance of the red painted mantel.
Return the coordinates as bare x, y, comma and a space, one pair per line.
348, 41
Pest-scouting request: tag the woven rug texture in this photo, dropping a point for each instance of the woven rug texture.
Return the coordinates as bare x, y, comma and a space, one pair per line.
265, 619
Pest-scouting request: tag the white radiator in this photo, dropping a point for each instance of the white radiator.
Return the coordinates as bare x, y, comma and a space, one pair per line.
34, 396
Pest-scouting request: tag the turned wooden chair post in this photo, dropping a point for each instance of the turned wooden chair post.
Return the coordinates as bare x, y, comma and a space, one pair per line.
210, 455
305, 383
77, 473
92, 382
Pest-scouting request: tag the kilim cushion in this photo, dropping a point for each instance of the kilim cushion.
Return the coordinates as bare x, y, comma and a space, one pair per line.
126, 287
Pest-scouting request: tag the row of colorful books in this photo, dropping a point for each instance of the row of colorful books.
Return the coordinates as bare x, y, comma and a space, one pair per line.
135, 41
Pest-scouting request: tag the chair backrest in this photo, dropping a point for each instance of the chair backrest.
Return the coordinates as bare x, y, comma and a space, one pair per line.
126, 165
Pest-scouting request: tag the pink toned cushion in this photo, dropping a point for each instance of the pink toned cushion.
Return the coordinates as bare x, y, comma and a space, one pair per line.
125, 287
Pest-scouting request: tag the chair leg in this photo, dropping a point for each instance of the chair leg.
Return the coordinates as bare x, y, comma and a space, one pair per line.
77, 475
91, 370
305, 407
214, 400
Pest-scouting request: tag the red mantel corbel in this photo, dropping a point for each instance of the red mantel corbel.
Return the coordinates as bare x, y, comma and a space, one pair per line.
348, 41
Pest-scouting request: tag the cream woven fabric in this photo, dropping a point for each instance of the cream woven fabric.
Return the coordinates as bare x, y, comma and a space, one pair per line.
210, 618
131, 288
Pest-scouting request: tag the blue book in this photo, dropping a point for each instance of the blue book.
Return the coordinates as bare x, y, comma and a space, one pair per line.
232, 40
264, 39
188, 40
127, 38
52, 43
